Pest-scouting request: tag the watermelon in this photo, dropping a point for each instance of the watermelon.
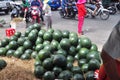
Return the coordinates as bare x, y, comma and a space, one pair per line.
65, 75
4, 42
41, 33
78, 77
48, 75
3, 51
43, 54
85, 42
47, 36
65, 34
57, 71
83, 52
47, 64
58, 60
3, 64
57, 35
65, 44
39, 71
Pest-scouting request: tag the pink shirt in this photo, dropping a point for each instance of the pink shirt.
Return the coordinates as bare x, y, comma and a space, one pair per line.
81, 1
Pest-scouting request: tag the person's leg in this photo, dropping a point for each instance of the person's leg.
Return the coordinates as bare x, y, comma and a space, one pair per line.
47, 21
94, 12
42, 18
96, 8
80, 25
50, 22
66, 10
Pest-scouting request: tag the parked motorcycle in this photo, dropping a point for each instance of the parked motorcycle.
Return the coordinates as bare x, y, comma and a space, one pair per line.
114, 7
102, 12
35, 14
72, 11
16, 11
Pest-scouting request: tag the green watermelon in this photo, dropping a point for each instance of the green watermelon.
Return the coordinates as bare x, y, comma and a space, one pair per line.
10, 53
65, 44
47, 64
47, 36
62, 52
41, 33
17, 34
39, 71
39, 40
86, 42
27, 44
4, 42
48, 75
76, 70
39, 47
60, 59
65, 34
57, 35
57, 71
13, 45
3, 64
93, 64
78, 77
3, 51
43, 54
90, 75
83, 52
65, 75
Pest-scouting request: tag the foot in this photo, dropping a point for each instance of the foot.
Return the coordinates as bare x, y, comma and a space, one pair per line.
67, 15
43, 23
93, 15
80, 34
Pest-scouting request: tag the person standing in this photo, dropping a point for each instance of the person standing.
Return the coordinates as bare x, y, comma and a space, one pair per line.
81, 15
48, 14
110, 53
25, 5
41, 15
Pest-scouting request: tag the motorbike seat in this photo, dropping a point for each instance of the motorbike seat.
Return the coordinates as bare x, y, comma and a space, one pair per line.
90, 7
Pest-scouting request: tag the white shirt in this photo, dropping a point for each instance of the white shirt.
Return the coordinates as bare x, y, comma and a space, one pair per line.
47, 9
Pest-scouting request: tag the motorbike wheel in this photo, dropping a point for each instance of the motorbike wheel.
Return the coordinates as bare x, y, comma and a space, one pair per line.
112, 10
104, 15
62, 14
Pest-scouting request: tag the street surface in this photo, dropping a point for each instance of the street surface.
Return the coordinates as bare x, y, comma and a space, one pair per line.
96, 29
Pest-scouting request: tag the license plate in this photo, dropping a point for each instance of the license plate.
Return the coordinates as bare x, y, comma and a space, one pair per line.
4, 8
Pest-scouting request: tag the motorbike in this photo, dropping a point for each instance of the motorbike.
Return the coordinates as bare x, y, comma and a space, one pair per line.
114, 7
16, 11
102, 12
72, 11
35, 14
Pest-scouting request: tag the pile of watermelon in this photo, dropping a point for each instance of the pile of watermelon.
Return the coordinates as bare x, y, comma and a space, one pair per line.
57, 54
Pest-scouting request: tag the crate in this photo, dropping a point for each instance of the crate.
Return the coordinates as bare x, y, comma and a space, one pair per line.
10, 32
